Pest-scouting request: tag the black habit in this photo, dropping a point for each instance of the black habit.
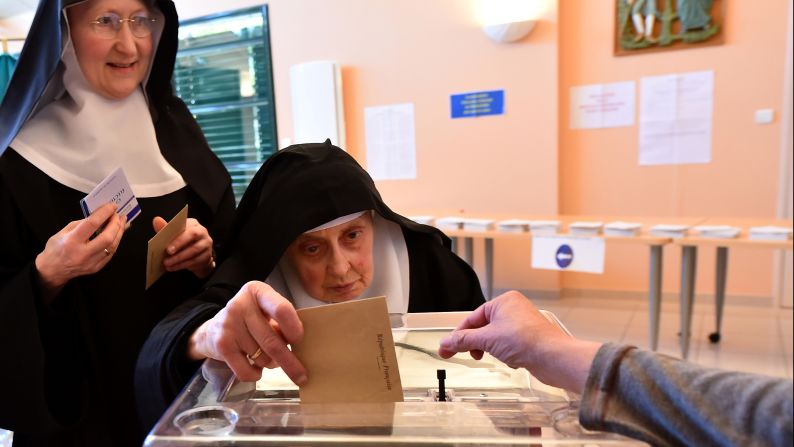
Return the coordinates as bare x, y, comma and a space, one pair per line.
67, 373
297, 189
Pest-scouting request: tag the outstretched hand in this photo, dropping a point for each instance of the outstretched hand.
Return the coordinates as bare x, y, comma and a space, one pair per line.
512, 329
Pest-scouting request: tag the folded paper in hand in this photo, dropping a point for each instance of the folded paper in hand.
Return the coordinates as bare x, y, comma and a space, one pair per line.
158, 244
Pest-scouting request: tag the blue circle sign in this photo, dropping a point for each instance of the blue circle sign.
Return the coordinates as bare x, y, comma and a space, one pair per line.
564, 256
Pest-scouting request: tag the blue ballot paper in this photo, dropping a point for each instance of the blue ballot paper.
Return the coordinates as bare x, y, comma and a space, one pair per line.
114, 188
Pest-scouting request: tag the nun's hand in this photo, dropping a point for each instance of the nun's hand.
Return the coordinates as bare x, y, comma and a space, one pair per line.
71, 252
251, 333
191, 250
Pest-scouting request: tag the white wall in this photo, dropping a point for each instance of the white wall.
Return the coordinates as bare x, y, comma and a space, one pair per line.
16, 27
189, 9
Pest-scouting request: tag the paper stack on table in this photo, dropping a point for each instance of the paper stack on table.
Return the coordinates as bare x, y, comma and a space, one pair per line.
673, 231
544, 227
449, 223
718, 231
771, 233
424, 220
478, 224
513, 226
585, 228
620, 228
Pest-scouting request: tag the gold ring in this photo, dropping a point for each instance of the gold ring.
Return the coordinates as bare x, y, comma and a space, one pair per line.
252, 357
107, 252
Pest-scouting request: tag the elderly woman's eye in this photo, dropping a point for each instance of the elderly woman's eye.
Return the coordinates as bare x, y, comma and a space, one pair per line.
140, 20
311, 249
354, 234
105, 20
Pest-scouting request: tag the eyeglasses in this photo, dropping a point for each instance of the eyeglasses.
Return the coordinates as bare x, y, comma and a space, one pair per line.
108, 25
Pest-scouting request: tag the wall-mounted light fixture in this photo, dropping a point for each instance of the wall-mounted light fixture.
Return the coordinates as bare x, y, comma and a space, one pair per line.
509, 20
509, 32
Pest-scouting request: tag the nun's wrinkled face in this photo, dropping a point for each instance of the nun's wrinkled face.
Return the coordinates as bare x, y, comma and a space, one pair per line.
335, 264
113, 43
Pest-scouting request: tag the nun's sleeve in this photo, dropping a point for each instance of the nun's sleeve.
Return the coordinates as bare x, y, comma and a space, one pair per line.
163, 368
40, 343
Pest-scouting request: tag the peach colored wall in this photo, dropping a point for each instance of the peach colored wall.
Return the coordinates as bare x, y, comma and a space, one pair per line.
421, 52
599, 172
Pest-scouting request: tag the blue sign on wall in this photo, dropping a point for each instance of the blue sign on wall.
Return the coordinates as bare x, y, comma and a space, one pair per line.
471, 105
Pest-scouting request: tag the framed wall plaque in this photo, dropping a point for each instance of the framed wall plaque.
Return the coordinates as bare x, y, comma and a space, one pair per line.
646, 26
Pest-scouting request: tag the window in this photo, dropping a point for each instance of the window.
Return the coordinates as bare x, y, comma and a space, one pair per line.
224, 74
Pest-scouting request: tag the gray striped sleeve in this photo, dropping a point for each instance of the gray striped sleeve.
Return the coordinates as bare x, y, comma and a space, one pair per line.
670, 402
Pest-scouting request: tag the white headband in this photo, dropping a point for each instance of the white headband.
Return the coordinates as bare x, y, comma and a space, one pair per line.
338, 221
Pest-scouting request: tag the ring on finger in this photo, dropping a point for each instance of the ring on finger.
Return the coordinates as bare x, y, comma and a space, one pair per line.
252, 357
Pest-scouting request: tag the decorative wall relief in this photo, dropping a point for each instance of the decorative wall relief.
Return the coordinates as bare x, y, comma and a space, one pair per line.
644, 26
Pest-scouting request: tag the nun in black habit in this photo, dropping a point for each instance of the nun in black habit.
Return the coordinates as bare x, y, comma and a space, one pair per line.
91, 93
310, 229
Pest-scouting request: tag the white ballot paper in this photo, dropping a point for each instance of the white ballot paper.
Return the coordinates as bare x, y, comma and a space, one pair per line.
114, 188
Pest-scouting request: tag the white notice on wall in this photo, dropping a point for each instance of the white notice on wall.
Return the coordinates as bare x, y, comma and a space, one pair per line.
675, 118
603, 105
391, 142
575, 254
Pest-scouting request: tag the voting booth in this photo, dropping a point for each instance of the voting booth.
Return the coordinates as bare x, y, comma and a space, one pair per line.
481, 402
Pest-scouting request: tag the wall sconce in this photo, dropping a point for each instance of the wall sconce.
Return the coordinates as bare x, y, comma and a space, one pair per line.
509, 20
509, 32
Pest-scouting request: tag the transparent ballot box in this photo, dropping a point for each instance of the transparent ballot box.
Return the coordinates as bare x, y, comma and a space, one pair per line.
487, 404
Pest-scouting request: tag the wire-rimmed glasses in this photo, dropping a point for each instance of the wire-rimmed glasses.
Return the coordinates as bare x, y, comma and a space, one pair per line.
108, 25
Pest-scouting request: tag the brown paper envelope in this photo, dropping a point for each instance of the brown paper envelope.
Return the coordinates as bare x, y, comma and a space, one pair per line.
348, 352
158, 244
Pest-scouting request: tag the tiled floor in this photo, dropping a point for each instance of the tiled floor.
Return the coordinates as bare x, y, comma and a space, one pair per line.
754, 339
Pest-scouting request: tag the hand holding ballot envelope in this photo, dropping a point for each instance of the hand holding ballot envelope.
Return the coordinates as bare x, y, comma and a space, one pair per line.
341, 352
251, 333
190, 250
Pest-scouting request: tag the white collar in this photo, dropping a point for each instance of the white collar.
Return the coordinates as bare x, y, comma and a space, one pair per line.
81, 137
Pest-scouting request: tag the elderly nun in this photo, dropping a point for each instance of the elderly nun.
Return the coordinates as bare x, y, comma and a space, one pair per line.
311, 229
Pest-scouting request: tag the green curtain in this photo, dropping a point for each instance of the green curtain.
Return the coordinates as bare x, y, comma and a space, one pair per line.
7, 63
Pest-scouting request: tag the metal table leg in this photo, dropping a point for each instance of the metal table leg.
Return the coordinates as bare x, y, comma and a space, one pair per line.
454, 244
719, 291
688, 265
469, 250
655, 294
488, 268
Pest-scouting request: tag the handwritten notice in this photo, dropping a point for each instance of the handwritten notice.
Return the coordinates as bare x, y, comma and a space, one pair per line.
602, 105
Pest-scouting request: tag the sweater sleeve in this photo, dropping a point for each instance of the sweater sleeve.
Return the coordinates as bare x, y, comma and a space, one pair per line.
670, 402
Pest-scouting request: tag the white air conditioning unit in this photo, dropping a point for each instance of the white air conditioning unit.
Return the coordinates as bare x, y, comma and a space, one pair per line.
317, 107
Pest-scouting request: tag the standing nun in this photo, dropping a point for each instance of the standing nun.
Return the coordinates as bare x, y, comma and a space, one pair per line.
91, 93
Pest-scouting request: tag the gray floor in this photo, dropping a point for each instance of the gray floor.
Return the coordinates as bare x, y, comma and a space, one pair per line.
757, 340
